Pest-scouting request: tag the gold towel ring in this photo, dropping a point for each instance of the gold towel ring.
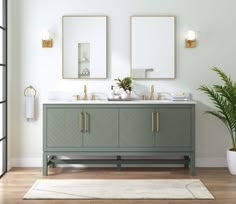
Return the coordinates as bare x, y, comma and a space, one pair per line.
27, 89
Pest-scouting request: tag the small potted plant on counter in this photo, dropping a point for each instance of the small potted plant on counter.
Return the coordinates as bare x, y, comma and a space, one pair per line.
224, 99
126, 85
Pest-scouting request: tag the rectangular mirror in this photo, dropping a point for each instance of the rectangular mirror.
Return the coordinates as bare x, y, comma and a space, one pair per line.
84, 47
152, 47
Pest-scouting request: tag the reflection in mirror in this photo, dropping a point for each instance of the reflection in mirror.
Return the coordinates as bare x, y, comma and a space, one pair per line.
84, 47
84, 60
152, 47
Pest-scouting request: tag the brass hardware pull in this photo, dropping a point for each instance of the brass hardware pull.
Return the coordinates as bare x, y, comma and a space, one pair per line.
152, 121
85, 122
80, 122
157, 114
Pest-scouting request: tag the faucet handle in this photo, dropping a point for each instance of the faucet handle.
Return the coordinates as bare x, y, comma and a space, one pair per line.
152, 93
85, 93
152, 88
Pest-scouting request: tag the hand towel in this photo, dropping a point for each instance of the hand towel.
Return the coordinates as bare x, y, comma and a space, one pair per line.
29, 107
139, 73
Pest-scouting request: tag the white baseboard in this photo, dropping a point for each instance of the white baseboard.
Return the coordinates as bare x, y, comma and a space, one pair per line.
26, 162
9, 165
211, 162
37, 162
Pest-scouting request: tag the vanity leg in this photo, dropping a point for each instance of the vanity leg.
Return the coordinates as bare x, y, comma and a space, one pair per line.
45, 164
186, 161
118, 158
192, 164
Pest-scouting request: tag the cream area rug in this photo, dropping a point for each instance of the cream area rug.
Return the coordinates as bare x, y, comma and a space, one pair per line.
118, 189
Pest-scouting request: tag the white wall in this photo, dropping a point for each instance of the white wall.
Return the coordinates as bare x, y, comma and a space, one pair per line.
30, 64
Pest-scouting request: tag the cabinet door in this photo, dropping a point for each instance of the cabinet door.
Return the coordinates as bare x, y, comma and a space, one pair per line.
174, 128
63, 128
73, 127
136, 127
55, 134
101, 127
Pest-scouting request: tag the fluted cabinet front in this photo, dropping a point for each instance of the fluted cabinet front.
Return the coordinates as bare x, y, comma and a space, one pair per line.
63, 128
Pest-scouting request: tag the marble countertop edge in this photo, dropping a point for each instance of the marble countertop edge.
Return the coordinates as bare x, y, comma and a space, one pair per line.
118, 102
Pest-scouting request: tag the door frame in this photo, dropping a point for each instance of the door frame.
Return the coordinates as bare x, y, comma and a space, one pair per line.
4, 81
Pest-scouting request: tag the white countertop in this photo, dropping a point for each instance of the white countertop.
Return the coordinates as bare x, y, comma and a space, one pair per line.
119, 102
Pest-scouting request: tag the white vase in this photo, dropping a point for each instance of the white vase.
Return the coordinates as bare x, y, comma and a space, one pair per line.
125, 95
231, 160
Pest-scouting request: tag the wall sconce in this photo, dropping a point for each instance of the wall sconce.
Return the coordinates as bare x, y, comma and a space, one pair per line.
46, 40
190, 41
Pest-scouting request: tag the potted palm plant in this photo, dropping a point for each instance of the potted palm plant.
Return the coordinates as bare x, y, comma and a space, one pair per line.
224, 99
126, 85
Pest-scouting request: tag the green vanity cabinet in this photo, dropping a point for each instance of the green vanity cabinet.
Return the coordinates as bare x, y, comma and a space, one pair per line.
117, 130
63, 129
102, 128
136, 127
155, 127
73, 127
173, 128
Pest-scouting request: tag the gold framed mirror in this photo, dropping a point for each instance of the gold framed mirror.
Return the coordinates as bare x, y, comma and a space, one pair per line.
84, 47
152, 47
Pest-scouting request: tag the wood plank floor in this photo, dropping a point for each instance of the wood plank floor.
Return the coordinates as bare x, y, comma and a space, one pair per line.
18, 180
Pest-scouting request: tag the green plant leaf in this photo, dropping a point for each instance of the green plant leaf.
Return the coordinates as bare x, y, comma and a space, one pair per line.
125, 83
224, 99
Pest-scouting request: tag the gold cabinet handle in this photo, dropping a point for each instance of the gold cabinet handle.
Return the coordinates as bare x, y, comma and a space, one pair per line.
85, 122
157, 114
152, 121
80, 122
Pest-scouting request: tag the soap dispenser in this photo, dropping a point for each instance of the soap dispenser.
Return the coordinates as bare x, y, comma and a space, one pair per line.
111, 93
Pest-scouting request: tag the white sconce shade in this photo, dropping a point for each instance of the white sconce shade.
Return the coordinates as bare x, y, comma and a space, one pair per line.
191, 35
190, 41
46, 35
46, 39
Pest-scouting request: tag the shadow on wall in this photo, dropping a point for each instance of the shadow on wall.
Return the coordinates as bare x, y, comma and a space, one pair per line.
212, 137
